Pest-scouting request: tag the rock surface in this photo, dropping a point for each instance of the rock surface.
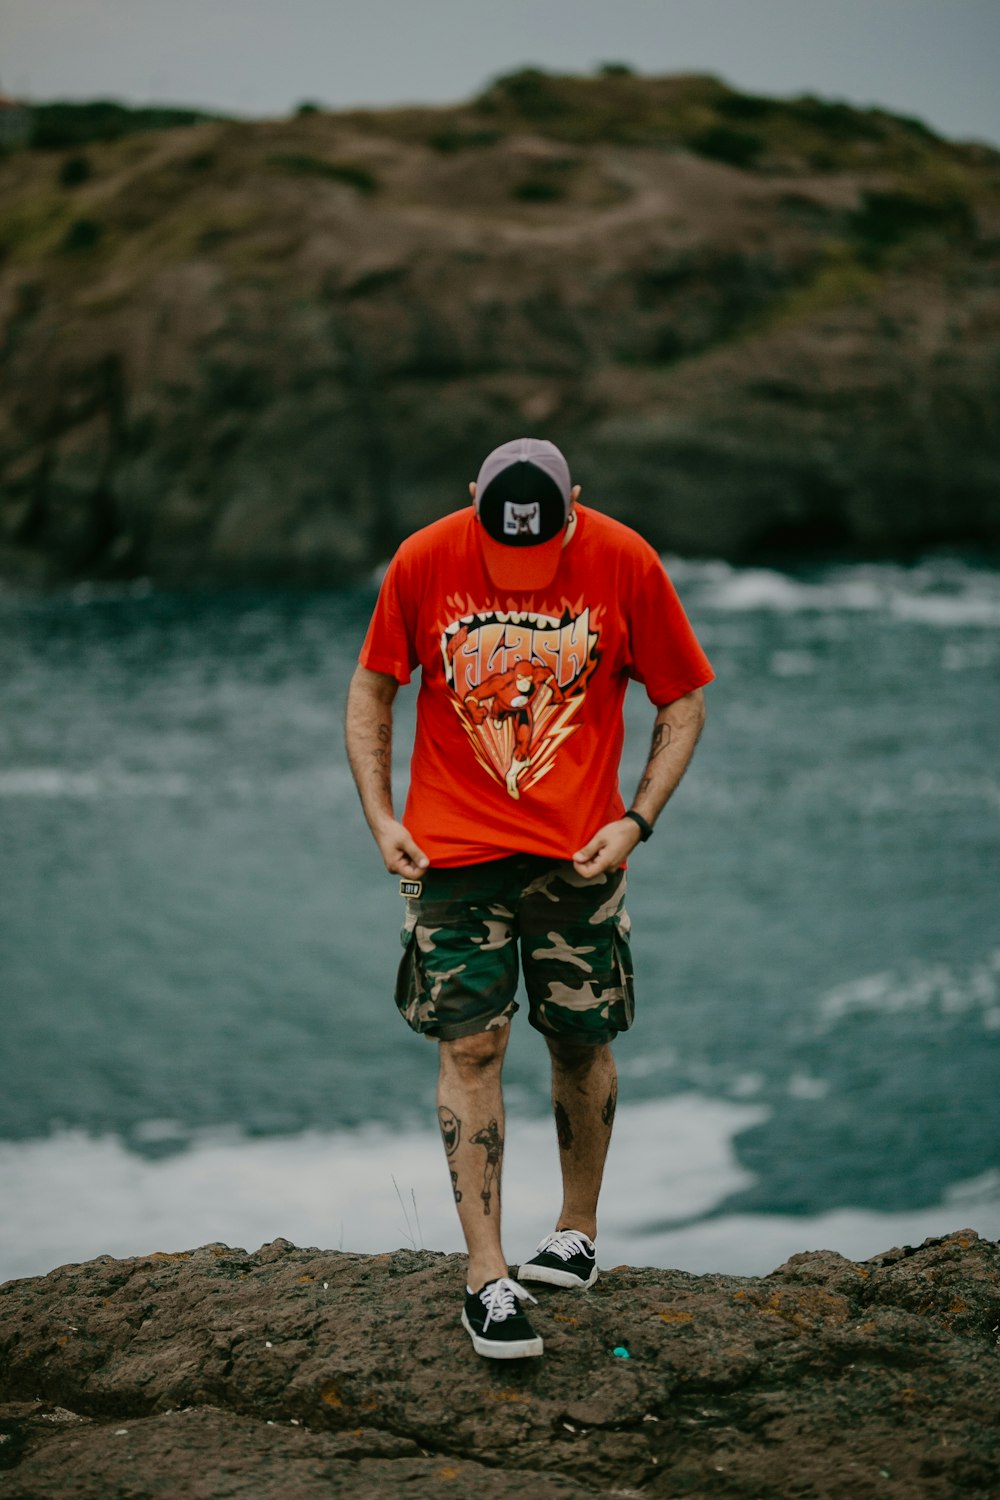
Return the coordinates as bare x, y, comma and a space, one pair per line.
300, 1373
267, 350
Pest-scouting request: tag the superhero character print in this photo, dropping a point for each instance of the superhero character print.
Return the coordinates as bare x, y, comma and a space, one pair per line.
518, 681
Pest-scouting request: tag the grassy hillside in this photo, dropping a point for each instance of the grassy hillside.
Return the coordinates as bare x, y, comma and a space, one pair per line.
266, 348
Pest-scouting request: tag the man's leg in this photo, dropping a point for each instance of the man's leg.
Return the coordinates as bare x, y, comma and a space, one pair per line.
584, 1095
471, 1117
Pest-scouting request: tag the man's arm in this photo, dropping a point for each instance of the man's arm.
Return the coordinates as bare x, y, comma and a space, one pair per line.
368, 731
676, 731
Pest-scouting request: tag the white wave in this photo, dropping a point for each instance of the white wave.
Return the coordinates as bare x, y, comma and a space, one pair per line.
762, 589
947, 609
54, 781
755, 1244
322, 785
49, 781
956, 787
806, 1086
944, 593
934, 987
794, 664
975, 655
72, 1197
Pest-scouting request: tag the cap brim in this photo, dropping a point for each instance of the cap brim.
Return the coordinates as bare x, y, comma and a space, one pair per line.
521, 568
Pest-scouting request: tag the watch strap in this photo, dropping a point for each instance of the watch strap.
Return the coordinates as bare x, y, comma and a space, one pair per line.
645, 829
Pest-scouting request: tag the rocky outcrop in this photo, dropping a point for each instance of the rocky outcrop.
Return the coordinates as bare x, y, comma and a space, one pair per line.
243, 351
298, 1373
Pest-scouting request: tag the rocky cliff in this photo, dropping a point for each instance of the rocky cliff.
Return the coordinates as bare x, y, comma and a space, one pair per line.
235, 351
305, 1373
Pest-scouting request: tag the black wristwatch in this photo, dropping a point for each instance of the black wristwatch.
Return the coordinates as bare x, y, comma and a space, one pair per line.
645, 829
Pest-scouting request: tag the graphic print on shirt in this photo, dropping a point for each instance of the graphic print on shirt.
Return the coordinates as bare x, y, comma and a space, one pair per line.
518, 681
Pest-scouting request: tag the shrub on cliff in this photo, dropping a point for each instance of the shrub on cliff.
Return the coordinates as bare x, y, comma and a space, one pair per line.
59, 125
82, 234
738, 148
887, 219
74, 170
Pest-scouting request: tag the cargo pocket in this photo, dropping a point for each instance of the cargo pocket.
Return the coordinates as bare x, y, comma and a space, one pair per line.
410, 991
622, 1011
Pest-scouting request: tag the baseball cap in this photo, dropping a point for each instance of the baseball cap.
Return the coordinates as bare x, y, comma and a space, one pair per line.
523, 500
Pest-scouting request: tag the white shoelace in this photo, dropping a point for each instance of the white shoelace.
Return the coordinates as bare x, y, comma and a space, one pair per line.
566, 1243
500, 1299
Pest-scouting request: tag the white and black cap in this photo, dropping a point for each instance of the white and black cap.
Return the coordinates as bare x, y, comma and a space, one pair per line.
523, 497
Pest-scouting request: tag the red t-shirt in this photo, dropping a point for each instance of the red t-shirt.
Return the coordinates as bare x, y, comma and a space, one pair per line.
519, 716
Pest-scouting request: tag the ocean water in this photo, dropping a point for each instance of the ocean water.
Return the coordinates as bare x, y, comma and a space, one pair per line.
198, 941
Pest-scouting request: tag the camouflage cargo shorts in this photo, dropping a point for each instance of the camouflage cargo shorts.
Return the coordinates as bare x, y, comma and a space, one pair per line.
461, 937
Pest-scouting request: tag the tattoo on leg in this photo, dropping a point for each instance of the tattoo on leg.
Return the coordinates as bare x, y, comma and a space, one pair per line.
451, 1134
451, 1128
610, 1105
492, 1142
564, 1129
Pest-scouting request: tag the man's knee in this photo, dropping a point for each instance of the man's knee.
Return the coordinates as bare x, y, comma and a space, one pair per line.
577, 1057
472, 1055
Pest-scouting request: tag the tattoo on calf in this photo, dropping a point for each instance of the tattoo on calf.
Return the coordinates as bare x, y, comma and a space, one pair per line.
564, 1129
451, 1134
451, 1128
610, 1105
492, 1142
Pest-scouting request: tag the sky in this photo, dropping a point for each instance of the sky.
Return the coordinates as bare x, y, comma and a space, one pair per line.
936, 59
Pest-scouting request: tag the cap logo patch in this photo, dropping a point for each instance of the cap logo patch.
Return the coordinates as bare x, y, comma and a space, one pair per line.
521, 520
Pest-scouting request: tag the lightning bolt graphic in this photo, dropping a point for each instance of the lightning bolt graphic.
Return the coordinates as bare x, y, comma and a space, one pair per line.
555, 727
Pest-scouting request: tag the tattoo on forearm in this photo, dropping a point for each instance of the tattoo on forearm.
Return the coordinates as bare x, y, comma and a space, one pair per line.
492, 1142
610, 1105
382, 752
662, 735
564, 1129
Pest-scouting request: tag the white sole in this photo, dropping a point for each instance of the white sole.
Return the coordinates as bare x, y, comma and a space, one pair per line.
552, 1277
523, 1349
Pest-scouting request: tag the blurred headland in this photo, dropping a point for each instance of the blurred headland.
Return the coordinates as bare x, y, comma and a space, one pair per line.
266, 350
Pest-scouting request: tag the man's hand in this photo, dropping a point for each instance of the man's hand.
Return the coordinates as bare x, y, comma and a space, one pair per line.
609, 847
402, 856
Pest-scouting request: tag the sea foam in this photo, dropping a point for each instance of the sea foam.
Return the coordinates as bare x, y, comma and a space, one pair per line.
72, 1197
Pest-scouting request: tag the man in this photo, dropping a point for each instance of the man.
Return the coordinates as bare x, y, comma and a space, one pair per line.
527, 614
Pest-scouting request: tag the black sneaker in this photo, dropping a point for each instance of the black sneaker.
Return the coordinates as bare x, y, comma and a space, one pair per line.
566, 1258
496, 1325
